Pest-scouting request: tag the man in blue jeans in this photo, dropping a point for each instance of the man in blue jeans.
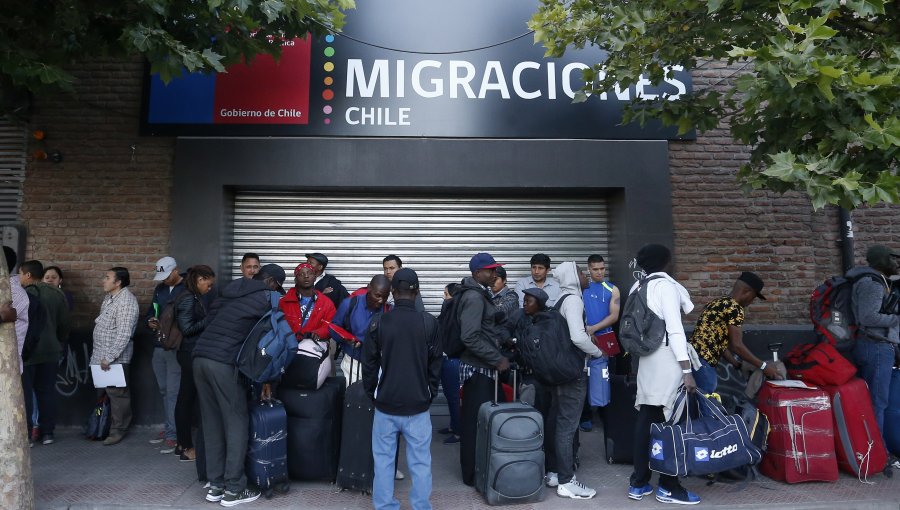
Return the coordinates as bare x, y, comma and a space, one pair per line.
401, 371
878, 329
719, 329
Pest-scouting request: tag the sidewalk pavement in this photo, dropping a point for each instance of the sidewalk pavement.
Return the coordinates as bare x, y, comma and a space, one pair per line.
75, 473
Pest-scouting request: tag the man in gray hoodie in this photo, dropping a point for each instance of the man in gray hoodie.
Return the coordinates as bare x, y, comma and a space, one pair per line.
567, 400
878, 332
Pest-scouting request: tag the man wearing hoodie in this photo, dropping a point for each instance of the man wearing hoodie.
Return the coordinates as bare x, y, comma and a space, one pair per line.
567, 400
878, 332
481, 333
221, 392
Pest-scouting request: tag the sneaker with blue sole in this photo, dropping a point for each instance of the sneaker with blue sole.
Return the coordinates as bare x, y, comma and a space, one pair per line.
638, 493
682, 497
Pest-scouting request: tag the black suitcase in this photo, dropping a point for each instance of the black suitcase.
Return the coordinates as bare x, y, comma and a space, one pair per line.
356, 466
509, 461
619, 419
314, 429
266, 464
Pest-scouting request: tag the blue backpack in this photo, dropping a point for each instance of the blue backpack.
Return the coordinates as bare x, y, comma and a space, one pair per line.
270, 346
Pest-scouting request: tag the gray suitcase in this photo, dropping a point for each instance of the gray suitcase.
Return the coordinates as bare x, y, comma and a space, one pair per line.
509, 463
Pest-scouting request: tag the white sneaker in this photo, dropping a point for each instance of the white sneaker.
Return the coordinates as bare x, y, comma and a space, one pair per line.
551, 479
398, 475
575, 490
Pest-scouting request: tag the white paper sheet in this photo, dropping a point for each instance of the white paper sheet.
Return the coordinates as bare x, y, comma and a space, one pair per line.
790, 384
115, 376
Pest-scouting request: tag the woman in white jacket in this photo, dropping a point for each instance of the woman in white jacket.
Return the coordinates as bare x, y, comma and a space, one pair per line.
660, 374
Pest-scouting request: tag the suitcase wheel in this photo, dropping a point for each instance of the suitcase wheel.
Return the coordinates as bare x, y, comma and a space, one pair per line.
284, 488
267, 493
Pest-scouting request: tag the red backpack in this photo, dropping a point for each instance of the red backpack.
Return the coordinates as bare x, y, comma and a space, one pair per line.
831, 313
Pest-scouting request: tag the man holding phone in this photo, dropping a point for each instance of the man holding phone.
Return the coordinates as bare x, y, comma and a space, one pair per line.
165, 363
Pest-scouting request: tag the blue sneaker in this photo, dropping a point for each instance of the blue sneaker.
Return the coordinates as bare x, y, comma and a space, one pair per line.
638, 493
682, 497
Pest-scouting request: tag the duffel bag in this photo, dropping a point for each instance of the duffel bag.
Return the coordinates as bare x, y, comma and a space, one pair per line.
818, 364
712, 443
310, 367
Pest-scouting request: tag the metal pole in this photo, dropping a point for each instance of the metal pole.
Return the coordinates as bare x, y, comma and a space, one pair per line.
845, 224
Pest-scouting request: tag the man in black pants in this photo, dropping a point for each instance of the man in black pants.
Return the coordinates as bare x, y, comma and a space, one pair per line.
482, 335
221, 392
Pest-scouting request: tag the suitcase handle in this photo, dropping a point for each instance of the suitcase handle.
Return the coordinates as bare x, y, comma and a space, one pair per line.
514, 369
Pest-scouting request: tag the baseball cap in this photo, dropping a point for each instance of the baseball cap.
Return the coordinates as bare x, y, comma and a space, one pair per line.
538, 294
319, 257
275, 271
482, 261
405, 279
754, 281
164, 267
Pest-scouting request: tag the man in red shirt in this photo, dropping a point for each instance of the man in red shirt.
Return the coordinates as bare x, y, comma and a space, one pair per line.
306, 309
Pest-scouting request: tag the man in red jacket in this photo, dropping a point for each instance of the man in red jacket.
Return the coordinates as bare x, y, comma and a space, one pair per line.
305, 308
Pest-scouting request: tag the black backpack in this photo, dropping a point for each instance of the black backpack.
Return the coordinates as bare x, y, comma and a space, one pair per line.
37, 319
641, 331
546, 347
451, 335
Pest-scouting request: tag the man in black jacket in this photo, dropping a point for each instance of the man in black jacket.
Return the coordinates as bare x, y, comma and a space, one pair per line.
220, 390
325, 283
482, 332
401, 372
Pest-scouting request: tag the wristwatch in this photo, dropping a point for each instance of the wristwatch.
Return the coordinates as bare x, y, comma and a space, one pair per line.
764, 365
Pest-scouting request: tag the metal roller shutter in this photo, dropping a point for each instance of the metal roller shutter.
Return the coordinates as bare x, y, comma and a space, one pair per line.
435, 235
13, 143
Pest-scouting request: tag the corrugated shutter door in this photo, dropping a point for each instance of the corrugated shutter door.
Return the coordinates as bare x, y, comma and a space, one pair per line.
13, 143
435, 235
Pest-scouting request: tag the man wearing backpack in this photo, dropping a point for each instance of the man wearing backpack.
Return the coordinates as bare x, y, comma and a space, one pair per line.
41, 363
165, 362
481, 334
567, 399
221, 391
354, 315
306, 308
877, 333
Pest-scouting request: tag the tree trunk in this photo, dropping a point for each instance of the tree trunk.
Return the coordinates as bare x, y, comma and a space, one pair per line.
16, 488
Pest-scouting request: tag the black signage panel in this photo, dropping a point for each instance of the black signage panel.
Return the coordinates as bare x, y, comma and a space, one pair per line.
409, 68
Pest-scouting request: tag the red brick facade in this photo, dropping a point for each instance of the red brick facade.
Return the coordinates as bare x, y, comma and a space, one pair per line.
105, 205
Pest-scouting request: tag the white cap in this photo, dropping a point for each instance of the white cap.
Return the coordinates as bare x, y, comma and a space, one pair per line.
164, 267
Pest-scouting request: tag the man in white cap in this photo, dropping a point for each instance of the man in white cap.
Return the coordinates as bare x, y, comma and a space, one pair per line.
165, 363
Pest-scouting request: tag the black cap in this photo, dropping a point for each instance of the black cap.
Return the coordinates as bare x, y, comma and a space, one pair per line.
322, 259
405, 279
538, 294
275, 271
754, 281
879, 257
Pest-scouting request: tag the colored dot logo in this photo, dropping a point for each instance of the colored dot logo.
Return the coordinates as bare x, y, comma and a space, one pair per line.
328, 93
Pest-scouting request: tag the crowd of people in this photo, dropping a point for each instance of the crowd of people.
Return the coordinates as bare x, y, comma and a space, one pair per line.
403, 364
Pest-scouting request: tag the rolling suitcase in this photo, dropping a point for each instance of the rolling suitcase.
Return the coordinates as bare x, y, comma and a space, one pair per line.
356, 466
266, 464
314, 429
509, 461
892, 415
619, 419
801, 439
857, 439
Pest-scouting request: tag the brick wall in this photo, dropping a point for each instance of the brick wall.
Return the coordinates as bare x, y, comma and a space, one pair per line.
104, 205
100, 207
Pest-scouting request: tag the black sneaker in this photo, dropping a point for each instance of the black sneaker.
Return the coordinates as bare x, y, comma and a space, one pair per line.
245, 496
215, 494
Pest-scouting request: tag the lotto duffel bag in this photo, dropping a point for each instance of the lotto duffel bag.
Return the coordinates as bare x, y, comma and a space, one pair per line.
712, 443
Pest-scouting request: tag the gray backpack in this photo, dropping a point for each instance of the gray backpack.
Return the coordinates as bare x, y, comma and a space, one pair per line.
641, 331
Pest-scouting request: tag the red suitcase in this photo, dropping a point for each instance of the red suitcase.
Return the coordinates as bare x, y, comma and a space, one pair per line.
858, 443
801, 440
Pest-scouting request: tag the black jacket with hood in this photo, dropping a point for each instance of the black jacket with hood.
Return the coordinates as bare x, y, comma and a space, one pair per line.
480, 325
233, 314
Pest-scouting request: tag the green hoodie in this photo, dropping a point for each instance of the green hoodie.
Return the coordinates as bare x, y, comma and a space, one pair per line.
56, 327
